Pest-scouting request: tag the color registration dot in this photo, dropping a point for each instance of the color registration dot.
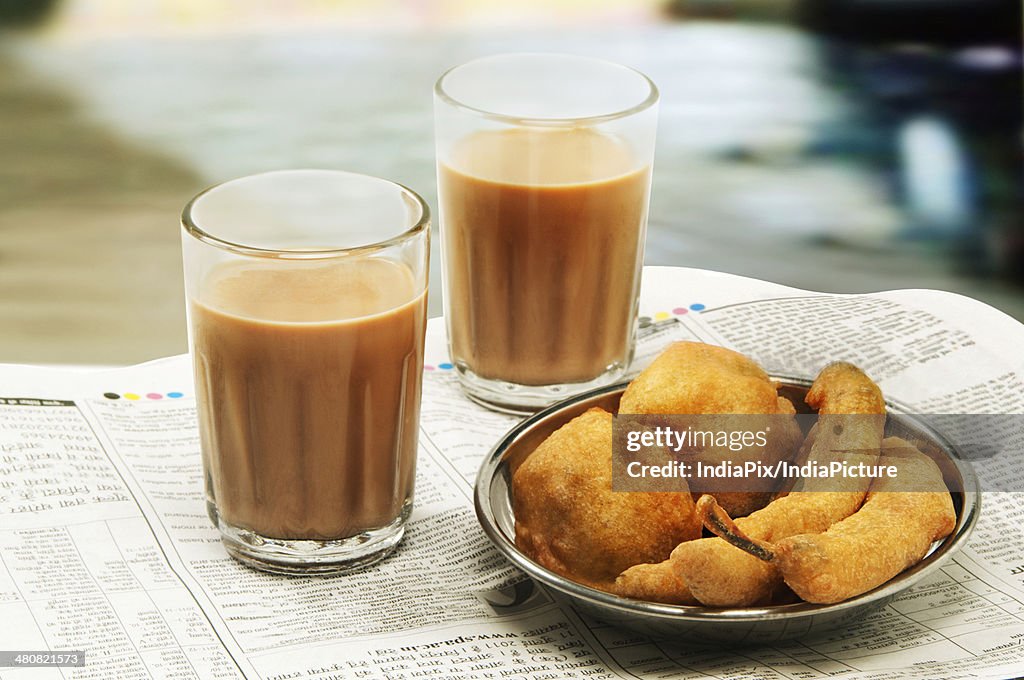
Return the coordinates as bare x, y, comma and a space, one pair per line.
697, 307
445, 366
132, 396
111, 395
428, 367
661, 316
175, 395
154, 395
679, 311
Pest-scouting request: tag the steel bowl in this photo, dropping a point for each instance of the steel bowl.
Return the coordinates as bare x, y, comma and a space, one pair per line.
698, 624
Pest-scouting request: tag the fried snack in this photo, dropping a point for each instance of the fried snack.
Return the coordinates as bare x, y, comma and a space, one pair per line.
569, 520
696, 378
656, 582
714, 573
891, 532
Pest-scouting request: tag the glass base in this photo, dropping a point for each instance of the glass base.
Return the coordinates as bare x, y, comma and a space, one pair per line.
506, 397
298, 557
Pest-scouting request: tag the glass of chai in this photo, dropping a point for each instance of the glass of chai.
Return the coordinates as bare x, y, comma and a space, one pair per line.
306, 294
544, 173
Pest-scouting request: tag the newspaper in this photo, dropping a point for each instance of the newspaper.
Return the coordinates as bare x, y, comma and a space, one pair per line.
105, 545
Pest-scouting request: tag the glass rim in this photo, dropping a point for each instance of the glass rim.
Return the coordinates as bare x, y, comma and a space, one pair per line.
653, 95
193, 228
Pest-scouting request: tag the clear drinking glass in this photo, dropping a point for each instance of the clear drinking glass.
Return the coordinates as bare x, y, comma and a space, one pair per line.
306, 294
544, 171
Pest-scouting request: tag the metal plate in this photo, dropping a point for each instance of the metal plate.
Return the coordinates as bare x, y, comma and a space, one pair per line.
698, 624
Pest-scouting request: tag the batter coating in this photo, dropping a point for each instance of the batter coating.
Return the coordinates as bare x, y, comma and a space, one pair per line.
701, 379
898, 522
569, 520
713, 572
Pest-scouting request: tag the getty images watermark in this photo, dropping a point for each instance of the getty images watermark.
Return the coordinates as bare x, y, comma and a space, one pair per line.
668, 439
778, 453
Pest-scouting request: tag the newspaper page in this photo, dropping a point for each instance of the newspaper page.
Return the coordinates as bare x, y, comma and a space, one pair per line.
106, 547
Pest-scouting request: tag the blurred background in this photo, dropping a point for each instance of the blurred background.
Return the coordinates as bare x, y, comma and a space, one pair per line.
836, 145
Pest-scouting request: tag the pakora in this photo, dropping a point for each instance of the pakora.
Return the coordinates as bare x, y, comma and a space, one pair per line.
569, 520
